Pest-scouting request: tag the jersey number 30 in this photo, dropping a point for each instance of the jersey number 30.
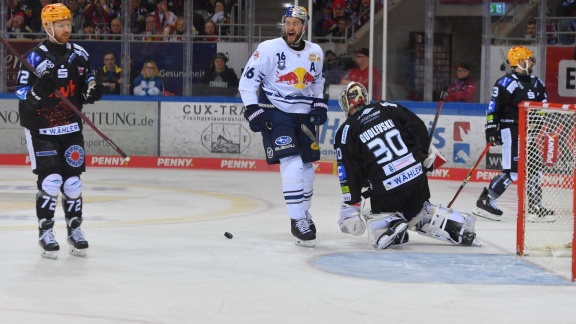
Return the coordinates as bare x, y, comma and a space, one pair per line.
388, 147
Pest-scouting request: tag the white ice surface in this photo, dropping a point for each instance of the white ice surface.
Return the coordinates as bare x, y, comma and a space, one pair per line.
158, 255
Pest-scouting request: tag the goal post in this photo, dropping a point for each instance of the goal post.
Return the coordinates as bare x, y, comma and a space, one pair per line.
546, 180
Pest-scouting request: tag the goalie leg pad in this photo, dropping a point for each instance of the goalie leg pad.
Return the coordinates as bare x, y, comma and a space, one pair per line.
447, 225
383, 229
423, 217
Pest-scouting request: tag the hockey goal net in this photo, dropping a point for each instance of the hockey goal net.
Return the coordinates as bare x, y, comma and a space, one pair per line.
546, 180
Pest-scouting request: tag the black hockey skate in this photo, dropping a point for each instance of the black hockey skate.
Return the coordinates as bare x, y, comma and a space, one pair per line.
76, 238
486, 207
47, 241
310, 222
468, 238
302, 231
458, 236
401, 239
394, 233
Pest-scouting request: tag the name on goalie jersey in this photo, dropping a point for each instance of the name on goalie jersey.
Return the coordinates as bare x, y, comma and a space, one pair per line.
376, 129
403, 177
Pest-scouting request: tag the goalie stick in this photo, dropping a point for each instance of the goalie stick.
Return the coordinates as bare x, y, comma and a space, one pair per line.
438, 109
67, 102
469, 174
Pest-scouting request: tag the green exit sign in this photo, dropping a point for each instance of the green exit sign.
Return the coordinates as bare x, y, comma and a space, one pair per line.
497, 8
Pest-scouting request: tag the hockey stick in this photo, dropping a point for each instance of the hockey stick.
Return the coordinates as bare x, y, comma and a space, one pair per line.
66, 101
505, 65
438, 109
469, 174
309, 133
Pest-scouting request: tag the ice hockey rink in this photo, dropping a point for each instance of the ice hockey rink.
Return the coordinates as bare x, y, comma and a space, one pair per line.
158, 255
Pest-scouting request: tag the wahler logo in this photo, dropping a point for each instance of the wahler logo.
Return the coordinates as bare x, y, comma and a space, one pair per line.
550, 149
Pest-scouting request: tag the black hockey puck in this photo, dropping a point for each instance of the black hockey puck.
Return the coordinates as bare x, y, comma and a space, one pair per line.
228, 235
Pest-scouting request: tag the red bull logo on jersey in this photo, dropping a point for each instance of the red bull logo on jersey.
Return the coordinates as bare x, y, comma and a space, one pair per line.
299, 78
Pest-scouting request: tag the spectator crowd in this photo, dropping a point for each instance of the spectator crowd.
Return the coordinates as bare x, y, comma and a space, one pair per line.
154, 20
101, 19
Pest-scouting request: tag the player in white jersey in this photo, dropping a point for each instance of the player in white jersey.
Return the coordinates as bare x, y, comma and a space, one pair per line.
282, 89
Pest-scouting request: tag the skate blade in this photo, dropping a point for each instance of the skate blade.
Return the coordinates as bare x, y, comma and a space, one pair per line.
481, 213
405, 241
53, 255
544, 219
77, 252
308, 244
476, 243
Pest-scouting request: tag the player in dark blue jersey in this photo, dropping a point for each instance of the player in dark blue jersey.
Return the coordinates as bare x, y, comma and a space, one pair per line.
502, 129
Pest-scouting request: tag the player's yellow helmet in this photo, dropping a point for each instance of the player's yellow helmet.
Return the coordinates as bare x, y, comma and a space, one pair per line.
54, 12
354, 95
518, 53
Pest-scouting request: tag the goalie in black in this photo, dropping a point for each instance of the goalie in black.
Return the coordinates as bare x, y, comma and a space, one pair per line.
382, 146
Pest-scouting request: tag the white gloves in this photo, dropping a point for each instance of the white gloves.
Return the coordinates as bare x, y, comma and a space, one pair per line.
433, 160
350, 220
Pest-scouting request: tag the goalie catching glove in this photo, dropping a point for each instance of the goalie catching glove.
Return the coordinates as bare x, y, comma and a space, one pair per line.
319, 113
93, 92
432, 160
350, 220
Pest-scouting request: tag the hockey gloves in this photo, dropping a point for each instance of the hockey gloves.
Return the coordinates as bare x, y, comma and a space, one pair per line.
257, 118
319, 113
492, 131
432, 159
43, 87
350, 220
93, 92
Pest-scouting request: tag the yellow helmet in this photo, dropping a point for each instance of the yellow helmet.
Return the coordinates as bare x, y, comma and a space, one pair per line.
54, 12
518, 53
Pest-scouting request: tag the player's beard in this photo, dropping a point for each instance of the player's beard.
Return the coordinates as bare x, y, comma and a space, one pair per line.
293, 40
63, 38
